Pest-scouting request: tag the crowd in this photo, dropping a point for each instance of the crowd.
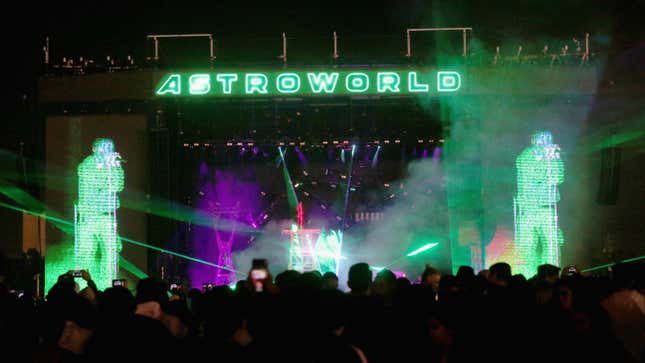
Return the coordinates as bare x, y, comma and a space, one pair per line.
558, 315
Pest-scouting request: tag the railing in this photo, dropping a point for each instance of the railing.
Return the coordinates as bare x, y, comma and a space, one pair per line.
574, 51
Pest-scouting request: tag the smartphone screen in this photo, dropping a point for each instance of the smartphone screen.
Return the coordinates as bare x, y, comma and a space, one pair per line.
258, 274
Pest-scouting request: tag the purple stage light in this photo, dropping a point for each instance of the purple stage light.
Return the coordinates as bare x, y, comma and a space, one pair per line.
301, 156
230, 201
435, 153
203, 169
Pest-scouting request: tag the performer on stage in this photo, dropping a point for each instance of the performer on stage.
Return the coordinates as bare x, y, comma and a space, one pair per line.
537, 235
100, 178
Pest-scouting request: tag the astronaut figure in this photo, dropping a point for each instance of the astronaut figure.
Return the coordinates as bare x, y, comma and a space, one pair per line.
100, 178
537, 236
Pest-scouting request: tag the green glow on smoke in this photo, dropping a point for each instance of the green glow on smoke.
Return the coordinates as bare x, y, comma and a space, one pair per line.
315, 250
328, 251
537, 235
96, 243
421, 249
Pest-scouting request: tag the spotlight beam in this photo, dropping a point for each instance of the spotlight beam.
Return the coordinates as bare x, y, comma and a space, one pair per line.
375, 158
349, 182
291, 191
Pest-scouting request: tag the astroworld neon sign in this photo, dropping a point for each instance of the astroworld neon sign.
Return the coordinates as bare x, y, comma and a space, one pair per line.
308, 83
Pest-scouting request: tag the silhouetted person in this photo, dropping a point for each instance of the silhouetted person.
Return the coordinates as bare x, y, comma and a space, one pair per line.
500, 274
431, 278
359, 279
330, 281
362, 310
385, 285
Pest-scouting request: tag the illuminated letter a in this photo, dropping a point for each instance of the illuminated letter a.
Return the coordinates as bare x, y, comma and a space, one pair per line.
171, 85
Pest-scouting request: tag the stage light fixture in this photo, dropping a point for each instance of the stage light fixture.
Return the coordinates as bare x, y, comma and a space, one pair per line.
325, 142
420, 141
386, 141
240, 144
229, 144
440, 140
335, 142
291, 143
186, 145
397, 141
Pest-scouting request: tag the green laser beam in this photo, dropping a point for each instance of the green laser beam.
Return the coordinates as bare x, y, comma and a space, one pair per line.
292, 198
135, 200
421, 249
177, 254
129, 266
64, 222
613, 264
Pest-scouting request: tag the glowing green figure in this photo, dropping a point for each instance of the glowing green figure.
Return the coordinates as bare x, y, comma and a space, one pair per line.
96, 245
537, 236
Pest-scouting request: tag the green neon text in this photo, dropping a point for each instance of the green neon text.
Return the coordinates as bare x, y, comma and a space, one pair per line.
172, 85
199, 84
306, 83
357, 82
448, 81
227, 80
288, 83
388, 81
414, 85
256, 82
320, 82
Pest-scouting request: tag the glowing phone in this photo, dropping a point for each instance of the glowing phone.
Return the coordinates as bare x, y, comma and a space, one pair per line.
259, 274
